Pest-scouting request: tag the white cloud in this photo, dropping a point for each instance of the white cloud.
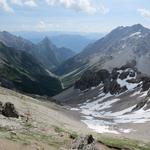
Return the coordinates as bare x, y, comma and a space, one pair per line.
30, 3
77, 5
144, 13
5, 6
103, 9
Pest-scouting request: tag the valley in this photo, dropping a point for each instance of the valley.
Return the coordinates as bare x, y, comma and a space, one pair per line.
116, 103
96, 99
74, 75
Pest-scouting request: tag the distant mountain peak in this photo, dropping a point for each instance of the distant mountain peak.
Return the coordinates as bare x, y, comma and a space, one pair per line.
138, 26
135, 27
5, 33
46, 40
118, 47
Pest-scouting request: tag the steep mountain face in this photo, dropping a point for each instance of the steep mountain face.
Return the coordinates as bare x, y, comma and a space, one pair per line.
21, 71
109, 101
62, 54
122, 45
45, 52
16, 42
48, 52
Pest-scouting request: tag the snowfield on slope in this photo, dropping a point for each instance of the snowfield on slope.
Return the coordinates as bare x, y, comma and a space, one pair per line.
101, 114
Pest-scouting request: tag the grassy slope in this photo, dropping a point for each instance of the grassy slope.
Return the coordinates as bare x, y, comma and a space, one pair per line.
26, 73
49, 128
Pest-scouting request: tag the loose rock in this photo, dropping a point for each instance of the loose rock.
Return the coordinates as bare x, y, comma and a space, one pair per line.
9, 110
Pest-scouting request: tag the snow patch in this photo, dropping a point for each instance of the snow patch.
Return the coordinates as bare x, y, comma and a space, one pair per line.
94, 125
135, 93
124, 82
129, 86
137, 34
74, 109
144, 94
125, 130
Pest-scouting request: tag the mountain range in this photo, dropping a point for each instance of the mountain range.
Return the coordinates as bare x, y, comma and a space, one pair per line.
74, 41
108, 83
21, 71
45, 51
122, 45
105, 88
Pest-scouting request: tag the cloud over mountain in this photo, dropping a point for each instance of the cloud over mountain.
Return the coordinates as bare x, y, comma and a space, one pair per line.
144, 12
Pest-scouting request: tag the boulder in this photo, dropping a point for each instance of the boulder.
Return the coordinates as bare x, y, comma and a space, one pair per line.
90, 139
124, 75
9, 110
84, 143
132, 74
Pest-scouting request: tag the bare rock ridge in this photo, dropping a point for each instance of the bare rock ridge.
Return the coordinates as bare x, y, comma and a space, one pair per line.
120, 46
113, 82
45, 51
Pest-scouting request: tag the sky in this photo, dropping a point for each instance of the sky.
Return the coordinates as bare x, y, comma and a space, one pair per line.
72, 15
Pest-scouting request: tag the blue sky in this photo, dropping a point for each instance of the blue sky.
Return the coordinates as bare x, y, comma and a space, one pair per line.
72, 15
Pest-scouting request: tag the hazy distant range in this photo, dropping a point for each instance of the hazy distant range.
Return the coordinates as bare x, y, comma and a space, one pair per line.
75, 41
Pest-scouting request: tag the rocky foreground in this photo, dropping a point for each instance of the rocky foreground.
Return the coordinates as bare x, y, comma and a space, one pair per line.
30, 124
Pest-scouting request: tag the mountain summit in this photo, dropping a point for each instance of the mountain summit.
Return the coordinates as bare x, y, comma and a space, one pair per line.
45, 51
121, 45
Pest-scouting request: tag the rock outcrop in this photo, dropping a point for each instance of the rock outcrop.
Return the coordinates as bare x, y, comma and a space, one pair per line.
146, 83
84, 143
88, 80
9, 110
103, 75
116, 82
124, 75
